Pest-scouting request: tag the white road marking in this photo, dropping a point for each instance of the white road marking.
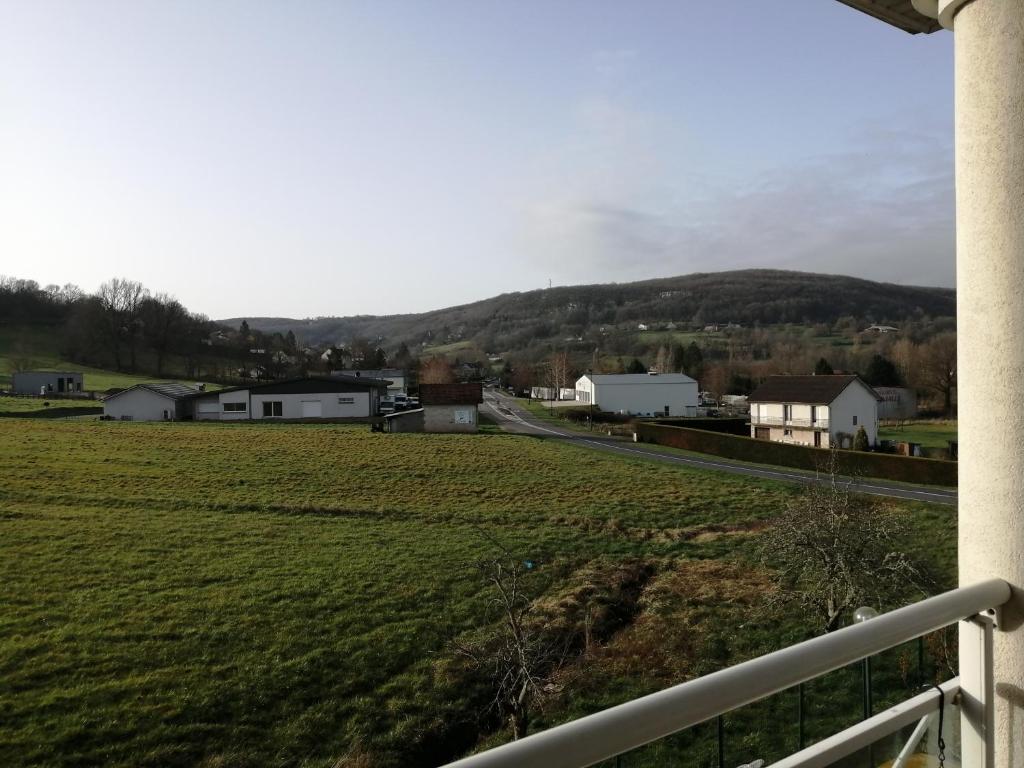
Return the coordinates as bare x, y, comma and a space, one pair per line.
508, 414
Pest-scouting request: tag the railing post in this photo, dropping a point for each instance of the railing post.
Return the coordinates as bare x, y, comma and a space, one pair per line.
977, 696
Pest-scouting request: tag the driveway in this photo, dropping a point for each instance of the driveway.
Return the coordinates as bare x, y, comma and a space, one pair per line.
511, 418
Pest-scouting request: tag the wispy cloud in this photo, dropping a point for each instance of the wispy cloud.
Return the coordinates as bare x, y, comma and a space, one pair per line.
882, 210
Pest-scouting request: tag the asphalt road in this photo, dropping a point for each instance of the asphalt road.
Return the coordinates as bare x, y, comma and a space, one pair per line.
511, 418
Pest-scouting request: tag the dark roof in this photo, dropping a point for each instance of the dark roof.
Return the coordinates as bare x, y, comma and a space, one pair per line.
172, 391
308, 385
813, 390
899, 13
451, 394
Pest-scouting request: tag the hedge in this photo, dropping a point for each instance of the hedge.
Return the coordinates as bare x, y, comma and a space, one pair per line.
729, 426
55, 413
885, 466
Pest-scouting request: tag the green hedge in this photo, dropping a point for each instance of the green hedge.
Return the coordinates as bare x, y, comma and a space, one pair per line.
55, 413
885, 466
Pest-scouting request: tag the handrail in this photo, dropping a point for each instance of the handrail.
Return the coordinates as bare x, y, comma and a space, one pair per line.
630, 725
843, 744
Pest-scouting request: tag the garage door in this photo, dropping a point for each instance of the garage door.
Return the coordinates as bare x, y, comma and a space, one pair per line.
312, 409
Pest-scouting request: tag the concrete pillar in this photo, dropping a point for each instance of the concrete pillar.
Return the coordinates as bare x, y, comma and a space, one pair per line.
989, 63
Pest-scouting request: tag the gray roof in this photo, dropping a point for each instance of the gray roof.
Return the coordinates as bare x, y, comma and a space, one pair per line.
812, 390
639, 378
171, 390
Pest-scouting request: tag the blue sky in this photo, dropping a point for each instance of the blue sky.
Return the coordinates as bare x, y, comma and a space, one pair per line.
334, 158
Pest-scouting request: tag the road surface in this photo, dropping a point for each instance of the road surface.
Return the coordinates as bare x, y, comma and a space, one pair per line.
511, 418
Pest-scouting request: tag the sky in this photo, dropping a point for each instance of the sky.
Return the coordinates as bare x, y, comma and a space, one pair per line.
307, 159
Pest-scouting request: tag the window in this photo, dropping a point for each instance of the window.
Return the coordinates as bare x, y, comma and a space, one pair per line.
234, 407
272, 408
346, 401
855, 421
787, 433
787, 412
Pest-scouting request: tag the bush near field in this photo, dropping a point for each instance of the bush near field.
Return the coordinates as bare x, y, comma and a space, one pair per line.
885, 466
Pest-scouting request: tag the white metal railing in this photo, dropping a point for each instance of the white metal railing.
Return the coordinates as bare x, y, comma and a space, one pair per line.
778, 421
625, 727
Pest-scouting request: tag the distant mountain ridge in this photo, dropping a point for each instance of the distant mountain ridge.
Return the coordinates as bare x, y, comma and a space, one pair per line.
747, 297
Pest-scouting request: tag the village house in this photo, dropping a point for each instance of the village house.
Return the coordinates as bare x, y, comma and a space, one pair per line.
151, 402
335, 398
822, 411
639, 394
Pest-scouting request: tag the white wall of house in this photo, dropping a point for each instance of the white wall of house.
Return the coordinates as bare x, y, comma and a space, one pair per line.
322, 405
450, 418
854, 408
640, 394
143, 405
317, 405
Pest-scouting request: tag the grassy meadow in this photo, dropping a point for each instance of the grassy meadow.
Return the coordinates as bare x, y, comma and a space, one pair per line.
930, 434
242, 595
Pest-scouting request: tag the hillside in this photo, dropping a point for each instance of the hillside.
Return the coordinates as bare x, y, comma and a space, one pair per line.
512, 321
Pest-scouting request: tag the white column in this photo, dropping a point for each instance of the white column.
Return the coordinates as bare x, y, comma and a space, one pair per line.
989, 46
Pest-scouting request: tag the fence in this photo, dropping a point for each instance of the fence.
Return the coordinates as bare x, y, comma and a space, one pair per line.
884, 466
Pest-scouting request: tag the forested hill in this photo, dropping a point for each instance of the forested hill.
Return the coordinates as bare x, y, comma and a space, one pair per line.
747, 297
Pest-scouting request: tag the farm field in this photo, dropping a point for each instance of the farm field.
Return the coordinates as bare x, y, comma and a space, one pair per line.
237, 595
930, 434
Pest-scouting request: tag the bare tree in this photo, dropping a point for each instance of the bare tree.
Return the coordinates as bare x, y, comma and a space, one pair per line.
835, 550
938, 367
558, 369
517, 655
121, 302
163, 321
436, 370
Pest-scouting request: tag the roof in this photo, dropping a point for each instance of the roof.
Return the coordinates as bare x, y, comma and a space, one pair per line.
451, 394
171, 391
48, 373
639, 378
898, 13
373, 373
813, 390
306, 385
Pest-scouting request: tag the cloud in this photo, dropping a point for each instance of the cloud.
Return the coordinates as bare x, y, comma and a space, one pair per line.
882, 209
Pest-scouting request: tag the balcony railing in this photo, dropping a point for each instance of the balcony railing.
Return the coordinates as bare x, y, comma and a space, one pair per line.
778, 421
614, 731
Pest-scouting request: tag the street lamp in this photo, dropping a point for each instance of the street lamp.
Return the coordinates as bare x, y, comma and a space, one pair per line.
862, 614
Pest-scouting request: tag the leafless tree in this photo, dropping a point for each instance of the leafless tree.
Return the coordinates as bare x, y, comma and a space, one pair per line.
121, 301
835, 550
436, 370
938, 367
517, 656
163, 320
559, 366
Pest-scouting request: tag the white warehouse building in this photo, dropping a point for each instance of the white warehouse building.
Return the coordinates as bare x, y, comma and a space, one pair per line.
639, 394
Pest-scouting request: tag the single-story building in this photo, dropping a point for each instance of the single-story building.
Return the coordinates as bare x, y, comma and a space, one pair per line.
398, 380
822, 411
333, 397
451, 407
405, 421
46, 382
639, 394
151, 402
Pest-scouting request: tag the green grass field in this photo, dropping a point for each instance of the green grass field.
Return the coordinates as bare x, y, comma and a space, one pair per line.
239, 595
930, 434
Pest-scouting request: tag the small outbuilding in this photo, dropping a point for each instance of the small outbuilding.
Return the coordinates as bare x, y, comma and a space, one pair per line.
451, 407
151, 402
338, 398
47, 382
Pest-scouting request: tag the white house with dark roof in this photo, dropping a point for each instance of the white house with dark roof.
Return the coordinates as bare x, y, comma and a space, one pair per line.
151, 402
334, 397
821, 411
